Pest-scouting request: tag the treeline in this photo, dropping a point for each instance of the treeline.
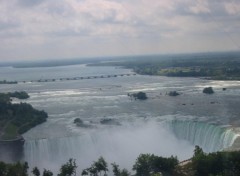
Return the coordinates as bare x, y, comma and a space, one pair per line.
220, 66
229, 70
215, 164
145, 165
16, 119
201, 164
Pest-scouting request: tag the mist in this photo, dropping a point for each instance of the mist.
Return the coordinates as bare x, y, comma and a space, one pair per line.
120, 144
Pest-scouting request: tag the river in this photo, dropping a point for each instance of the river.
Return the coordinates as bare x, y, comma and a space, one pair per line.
162, 125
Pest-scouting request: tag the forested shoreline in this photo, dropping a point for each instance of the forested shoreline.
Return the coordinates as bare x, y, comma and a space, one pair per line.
17, 118
201, 164
218, 66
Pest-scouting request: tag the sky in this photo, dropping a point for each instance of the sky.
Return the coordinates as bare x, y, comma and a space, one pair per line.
45, 29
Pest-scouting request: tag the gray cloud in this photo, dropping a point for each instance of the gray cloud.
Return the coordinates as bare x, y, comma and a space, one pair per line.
116, 27
29, 3
5, 25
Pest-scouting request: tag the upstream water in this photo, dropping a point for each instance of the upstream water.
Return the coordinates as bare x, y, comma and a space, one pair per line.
161, 125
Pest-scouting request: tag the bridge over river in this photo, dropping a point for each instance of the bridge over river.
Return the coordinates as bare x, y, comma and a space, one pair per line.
81, 78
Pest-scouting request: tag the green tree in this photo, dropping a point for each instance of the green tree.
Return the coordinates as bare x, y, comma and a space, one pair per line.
116, 170
119, 172
125, 172
147, 164
47, 173
101, 165
198, 151
68, 169
93, 170
85, 172
17, 169
96, 168
143, 165
3, 169
36, 171
200, 162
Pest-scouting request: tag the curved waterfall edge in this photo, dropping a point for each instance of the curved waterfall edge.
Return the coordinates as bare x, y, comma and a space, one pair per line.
208, 136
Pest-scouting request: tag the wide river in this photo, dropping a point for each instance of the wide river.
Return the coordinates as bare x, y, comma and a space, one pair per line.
162, 125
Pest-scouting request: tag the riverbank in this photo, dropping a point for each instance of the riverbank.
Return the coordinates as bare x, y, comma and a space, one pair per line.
16, 119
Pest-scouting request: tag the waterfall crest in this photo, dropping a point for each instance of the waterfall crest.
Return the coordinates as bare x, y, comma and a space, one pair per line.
208, 136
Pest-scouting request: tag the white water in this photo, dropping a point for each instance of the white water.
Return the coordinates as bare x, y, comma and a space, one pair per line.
122, 144
210, 137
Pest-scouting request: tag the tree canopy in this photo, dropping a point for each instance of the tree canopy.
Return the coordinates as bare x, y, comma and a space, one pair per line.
17, 118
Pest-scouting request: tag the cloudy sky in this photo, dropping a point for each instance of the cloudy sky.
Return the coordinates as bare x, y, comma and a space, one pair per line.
42, 29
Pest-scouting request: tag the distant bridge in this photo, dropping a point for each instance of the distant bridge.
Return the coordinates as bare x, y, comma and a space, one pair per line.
82, 78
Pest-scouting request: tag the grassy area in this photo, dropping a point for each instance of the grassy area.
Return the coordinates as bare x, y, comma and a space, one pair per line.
10, 132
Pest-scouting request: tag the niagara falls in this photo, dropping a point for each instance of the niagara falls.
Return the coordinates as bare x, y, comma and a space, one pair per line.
117, 126
119, 88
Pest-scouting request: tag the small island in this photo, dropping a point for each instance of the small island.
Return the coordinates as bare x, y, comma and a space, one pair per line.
109, 121
19, 95
8, 82
138, 96
208, 90
80, 123
173, 93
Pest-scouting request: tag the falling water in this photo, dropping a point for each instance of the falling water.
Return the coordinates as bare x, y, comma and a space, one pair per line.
120, 144
210, 137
